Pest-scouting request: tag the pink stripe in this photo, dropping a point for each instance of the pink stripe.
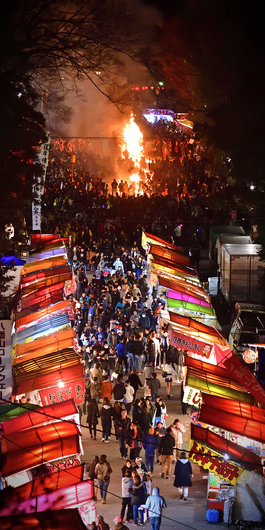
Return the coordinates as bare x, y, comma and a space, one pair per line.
187, 298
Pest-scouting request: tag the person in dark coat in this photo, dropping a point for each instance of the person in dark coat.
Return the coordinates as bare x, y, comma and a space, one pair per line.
135, 381
92, 417
183, 475
167, 448
136, 411
123, 426
106, 415
138, 498
119, 390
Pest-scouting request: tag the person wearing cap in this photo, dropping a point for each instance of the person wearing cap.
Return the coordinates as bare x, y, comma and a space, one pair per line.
102, 525
119, 524
155, 504
140, 467
150, 444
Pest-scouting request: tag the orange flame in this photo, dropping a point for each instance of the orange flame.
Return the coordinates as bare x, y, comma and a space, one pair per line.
132, 142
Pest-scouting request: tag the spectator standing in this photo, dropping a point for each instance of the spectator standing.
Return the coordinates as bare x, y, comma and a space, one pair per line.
140, 467
155, 504
136, 411
126, 489
154, 386
148, 371
135, 441
149, 444
177, 430
183, 475
129, 396
106, 388
90, 470
119, 390
135, 381
123, 425
92, 417
127, 465
167, 447
103, 471
105, 415
138, 498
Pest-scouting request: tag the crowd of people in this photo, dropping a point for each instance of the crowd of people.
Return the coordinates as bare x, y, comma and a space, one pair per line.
88, 201
113, 310
115, 316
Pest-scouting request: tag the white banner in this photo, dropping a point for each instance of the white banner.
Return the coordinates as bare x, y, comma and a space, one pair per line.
192, 397
5, 360
38, 186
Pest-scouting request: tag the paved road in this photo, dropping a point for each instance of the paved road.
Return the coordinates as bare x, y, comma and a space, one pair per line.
178, 515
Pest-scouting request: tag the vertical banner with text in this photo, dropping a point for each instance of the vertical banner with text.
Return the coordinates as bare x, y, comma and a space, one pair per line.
5, 360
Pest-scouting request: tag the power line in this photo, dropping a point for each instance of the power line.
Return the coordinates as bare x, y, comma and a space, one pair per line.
111, 493
251, 464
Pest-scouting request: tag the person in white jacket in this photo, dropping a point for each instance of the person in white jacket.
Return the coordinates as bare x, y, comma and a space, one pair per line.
177, 430
128, 396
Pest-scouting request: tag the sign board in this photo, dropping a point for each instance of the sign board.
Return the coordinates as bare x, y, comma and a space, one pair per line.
5, 360
192, 396
38, 188
179, 340
74, 390
88, 512
208, 459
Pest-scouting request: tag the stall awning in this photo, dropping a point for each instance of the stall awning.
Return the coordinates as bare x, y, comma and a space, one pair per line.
64, 498
48, 263
46, 378
174, 265
33, 277
35, 456
188, 307
218, 387
43, 303
43, 297
40, 416
48, 254
47, 482
13, 442
235, 407
236, 453
57, 520
183, 287
246, 378
227, 414
158, 267
212, 374
187, 297
198, 326
42, 283
53, 323
12, 410
54, 342
31, 363
43, 314
166, 253
150, 238
54, 243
